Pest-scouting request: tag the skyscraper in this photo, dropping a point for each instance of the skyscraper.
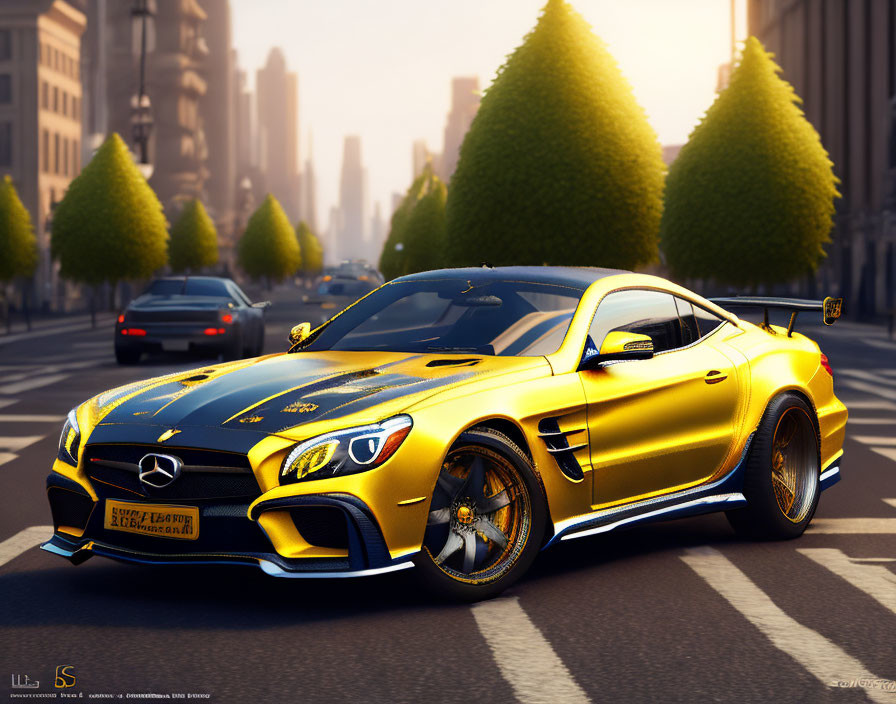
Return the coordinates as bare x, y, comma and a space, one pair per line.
465, 101
278, 123
309, 192
351, 242
40, 115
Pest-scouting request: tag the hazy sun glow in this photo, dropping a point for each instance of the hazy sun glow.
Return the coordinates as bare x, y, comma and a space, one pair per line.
383, 69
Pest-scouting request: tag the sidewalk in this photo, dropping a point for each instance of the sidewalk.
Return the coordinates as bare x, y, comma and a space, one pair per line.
42, 327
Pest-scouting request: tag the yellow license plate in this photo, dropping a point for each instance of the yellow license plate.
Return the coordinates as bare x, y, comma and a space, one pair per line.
181, 522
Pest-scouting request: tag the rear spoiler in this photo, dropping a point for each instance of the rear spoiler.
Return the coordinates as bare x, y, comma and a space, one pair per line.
830, 308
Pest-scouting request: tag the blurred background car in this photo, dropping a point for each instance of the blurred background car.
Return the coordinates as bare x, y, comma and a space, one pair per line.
191, 314
332, 293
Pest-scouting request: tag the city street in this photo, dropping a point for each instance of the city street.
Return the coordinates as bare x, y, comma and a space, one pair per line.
680, 611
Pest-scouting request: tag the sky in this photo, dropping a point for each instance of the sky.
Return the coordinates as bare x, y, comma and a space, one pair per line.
382, 69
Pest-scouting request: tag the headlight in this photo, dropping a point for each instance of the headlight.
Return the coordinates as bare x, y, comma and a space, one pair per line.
345, 451
70, 439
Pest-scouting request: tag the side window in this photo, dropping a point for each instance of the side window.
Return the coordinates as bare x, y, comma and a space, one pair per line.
706, 321
650, 313
690, 333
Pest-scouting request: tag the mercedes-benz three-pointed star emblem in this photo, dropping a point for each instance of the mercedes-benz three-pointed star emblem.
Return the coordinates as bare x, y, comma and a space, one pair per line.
159, 471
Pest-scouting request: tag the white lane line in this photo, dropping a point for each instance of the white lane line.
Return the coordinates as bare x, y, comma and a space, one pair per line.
825, 660
4, 402
888, 452
29, 418
852, 526
30, 384
13, 444
889, 394
871, 421
880, 344
868, 405
22, 541
526, 659
887, 440
867, 376
875, 580
890, 502
7, 457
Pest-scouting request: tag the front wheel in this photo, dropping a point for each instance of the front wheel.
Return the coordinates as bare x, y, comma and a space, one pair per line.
781, 477
486, 519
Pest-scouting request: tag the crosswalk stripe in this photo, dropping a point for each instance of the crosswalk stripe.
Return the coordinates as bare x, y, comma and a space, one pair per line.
7, 457
888, 440
14, 444
822, 658
852, 526
888, 452
30, 384
875, 580
868, 405
526, 659
890, 502
22, 541
4, 402
867, 376
29, 418
871, 421
886, 393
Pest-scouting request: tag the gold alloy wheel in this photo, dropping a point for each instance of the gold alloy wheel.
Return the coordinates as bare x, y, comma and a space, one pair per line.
794, 464
480, 516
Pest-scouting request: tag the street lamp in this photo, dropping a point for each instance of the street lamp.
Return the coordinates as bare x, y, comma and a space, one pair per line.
141, 108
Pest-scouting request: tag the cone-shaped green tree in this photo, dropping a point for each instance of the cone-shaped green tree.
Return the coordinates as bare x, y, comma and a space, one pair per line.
560, 165
269, 248
750, 198
311, 249
110, 225
194, 240
424, 232
18, 247
392, 259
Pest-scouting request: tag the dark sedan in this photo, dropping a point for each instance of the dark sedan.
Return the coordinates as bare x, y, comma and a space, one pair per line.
191, 314
333, 294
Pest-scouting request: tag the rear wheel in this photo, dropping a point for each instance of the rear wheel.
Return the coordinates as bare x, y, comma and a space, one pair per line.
486, 519
781, 477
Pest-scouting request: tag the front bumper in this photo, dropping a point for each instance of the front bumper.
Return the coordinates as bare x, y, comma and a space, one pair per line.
227, 535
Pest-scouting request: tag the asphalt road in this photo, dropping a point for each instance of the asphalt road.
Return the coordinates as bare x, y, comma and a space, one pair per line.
676, 611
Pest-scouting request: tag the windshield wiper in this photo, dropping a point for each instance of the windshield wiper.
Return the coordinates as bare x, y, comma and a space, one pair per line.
475, 350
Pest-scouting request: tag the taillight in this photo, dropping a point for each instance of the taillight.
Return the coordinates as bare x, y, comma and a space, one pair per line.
137, 332
826, 364
121, 318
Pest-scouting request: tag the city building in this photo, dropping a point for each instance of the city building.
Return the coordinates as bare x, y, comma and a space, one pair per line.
278, 124
309, 192
351, 242
40, 117
465, 99
840, 57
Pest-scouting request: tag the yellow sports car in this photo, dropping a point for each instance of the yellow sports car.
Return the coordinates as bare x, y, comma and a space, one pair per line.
459, 421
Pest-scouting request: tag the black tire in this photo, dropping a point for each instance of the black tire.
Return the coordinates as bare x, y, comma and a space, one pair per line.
127, 356
458, 511
781, 477
234, 349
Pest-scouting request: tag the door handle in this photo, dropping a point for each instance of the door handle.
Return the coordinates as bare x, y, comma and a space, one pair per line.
714, 377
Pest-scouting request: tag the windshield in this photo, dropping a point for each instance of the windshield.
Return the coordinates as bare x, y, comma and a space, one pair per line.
507, 318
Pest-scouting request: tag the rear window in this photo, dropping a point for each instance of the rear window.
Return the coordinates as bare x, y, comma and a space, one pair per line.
191, 287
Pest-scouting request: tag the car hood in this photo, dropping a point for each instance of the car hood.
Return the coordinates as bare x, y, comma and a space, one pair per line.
275, 394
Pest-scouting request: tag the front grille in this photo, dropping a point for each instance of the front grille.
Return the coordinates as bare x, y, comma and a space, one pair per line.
206, 475
172, 316
323, 526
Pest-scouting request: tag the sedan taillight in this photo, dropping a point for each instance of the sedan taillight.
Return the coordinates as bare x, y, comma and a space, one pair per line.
826, 364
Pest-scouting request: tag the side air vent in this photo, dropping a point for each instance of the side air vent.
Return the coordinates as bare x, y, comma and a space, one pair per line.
453, 362
558, 445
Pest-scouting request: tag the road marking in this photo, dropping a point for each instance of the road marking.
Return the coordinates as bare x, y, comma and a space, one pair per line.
880, 344
888, 452
526, 659
867, 376
33, 418
32, 384
822, 658
875, 580
888, 440
7, 457
852, 526
890, 502
22, 541
886, 393
14, 444
868, 405
4, 402
871, 421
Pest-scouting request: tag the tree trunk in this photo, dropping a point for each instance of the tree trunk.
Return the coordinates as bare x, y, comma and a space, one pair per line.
26, 287
93, 294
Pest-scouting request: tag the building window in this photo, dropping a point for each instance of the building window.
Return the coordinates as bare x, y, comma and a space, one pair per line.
76, 157
5, 88
76, 109
65, 157
56, 153
5, 144
5, 45
46, 151
44, 95
56, 59
64, 103
55, 99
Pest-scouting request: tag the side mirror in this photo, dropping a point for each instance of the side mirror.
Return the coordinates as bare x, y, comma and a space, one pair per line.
299, 332
262, 304
617, 345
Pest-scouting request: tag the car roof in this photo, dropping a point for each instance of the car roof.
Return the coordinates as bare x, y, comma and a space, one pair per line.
580, 277
183, 278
